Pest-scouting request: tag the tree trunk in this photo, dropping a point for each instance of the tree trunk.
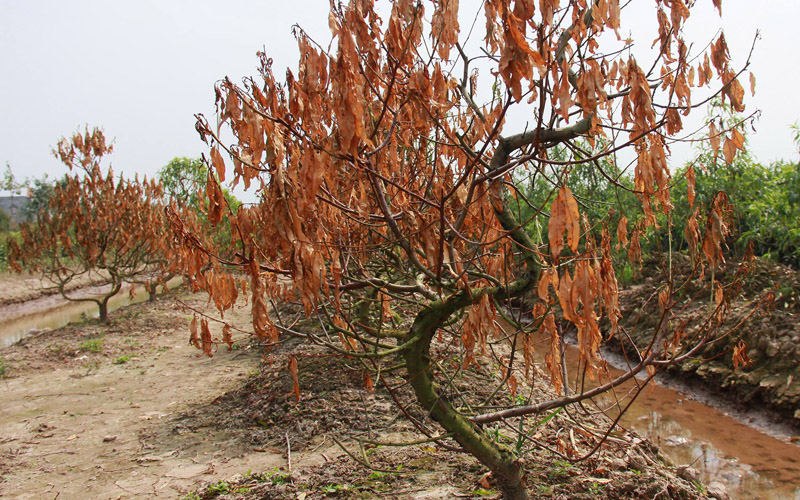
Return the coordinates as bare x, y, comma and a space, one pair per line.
500, 459
102, 305
151, 290
116, 285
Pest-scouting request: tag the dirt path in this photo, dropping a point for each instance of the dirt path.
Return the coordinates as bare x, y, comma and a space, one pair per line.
128, 410
91, 411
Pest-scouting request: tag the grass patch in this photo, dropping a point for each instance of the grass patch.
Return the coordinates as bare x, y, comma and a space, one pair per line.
91, 345
122, 359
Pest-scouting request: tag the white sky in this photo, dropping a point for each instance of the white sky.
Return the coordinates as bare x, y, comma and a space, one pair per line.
141, 69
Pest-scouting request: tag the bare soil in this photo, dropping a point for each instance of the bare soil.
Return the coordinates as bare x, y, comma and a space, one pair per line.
771, 332
90, 410
128, 410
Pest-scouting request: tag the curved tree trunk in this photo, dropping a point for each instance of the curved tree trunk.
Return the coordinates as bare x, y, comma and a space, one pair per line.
500, 459
102, 306
151, 290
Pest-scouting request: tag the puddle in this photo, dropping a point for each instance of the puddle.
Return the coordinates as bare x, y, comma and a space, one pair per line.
47, 313
750, 463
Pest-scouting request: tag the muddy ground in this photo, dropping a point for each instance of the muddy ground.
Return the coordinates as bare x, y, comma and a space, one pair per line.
129, 410
770, 329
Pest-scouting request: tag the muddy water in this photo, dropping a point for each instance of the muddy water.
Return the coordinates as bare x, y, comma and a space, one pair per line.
751, 463
46, 313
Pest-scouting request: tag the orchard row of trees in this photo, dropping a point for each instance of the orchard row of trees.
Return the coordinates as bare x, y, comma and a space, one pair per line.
402, 208
116, 231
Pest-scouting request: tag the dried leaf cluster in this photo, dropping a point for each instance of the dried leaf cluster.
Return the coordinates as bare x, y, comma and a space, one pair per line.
383, 168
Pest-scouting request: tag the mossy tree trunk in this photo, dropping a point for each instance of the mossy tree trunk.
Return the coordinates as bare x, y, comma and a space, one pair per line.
500, 459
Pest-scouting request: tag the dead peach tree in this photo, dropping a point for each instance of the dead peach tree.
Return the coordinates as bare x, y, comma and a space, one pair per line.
109, 229
383, 166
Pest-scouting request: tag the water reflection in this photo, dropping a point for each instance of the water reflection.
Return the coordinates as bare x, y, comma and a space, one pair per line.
47, 313
751, 464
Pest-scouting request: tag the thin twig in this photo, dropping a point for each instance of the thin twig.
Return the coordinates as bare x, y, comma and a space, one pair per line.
288, 453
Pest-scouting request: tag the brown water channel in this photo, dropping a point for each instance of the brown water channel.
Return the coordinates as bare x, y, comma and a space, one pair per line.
50, 312
752, 461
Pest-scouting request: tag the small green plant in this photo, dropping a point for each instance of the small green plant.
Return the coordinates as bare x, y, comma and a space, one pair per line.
333, 489
483, 492
596, 489
257, 476
3, 368
278, 478
91, 345
219, 488
627, 275
122, 359
701, 488
561, 470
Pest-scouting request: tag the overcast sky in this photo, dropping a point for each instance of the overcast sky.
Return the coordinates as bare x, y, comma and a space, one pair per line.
142, 69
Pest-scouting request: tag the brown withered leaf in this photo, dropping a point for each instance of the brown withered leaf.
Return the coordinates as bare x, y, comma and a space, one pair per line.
565, 298
734, 90
609, 287
219, 163
729, 150
226, 336
444, 26
690, 183
738, 139
693, 234
664, 299
564, 218
369, 385
713, 136
752, 84
720, 54
622, 233
512, 385
719, 300
292, 366
740, 357
205, 337
716, 228
586, 289
193, 338
215, 200
548, 278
